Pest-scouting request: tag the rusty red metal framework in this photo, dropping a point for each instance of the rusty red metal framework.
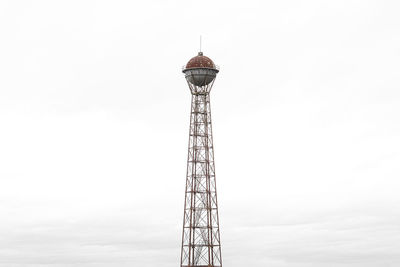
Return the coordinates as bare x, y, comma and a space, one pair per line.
201, 244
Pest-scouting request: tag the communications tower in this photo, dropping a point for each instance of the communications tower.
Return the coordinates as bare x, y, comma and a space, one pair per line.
201, 244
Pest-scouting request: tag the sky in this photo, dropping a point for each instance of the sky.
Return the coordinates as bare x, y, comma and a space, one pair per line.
94, 117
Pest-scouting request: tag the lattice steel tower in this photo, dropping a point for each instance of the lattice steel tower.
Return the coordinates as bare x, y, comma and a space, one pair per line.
201, 245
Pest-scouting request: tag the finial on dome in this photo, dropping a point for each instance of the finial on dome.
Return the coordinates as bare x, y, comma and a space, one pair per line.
200, 47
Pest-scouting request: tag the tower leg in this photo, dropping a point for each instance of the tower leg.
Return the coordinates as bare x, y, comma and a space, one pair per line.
200, 237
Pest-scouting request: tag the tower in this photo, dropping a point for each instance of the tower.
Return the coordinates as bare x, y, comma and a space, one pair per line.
201, 245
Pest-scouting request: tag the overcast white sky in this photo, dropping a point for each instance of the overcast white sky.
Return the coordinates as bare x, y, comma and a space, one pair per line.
94, 116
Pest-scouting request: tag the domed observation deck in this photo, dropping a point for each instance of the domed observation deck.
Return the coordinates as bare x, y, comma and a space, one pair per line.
200, 70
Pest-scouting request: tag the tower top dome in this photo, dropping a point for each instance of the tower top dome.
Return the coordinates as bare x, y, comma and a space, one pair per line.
200, 61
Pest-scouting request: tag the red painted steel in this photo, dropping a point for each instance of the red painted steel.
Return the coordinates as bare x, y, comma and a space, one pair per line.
200, 61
